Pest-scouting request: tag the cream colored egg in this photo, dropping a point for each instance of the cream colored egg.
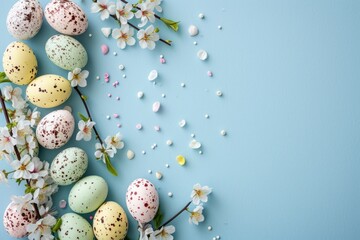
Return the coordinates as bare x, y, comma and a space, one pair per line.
110, 222
88, 194
19, 63
48, 91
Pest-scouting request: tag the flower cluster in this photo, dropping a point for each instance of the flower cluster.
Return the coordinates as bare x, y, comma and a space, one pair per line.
199, 195
104, 149
123, 12
18, 145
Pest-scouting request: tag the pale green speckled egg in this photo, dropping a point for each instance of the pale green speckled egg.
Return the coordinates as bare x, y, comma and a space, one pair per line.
19, 63
75, 227
69, 166
110, 222
66, 52
88, 194
48, 91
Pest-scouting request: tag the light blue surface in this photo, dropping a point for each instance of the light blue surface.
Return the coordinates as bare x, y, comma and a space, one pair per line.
289, 71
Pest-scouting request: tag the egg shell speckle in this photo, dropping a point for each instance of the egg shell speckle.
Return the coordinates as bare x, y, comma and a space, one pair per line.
110, 222
74, 226
66, 17
88, 194
69, 166
55, 129
15, 221
48, 91
19, 63
24, 19
142, 200
66, 52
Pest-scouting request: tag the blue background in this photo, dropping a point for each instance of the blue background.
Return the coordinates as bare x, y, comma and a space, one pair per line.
289, 71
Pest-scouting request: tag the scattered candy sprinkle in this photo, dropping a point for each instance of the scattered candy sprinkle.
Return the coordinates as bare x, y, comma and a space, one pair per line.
162, 60
149, 171
194, 144
220, 27
218, 237
163, 95
169, 142
192, 135
202, 55
223, 133
207, 116
195, 43
167, 165
121, 67
114, 53
140, 95
130, 154
106, 31
109, 95
158, 175
219, 93
157, 128
153, 75
200, 152
138, 126
118, 98
118, 125
90, 35
182, 85
209, 228
115, 115
209, 73
156, 107
108, 117
143, 152
182, 123
201, 16
62, 204
97, 77
91, 217
181, 160
193, 30
124, 75
170, 194
104, 49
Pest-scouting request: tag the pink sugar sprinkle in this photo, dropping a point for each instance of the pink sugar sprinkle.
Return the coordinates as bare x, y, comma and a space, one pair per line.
114, 85
107, 80
106, 75
157, 128
116, 115
162, 60
209, 73
109, 95
118, 125
138, 126
91, 217
104, 49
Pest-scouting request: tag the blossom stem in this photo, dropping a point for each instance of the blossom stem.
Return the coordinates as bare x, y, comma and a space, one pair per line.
176, 215
88, 113
135, 27
16, 150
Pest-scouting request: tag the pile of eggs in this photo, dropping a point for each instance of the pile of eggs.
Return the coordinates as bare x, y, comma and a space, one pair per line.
88, 194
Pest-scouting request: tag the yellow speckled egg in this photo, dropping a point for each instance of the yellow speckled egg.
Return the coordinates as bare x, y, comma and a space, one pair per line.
48, 91
19, 63
110, 222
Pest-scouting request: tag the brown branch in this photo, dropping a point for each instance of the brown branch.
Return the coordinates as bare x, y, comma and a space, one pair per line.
16, 150
88, 113
175, 216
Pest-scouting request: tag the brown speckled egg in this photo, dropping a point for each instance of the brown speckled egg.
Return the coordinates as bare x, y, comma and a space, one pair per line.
19, 63
55, 129
66, 17
142, 200
15, 221
48, 91
24, 19
110, 222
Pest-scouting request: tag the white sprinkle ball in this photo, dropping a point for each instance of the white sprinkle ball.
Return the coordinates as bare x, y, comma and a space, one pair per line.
167, 165
143, 152
140, 95
201, 16
214, 238
219, 93
217, 237
182, 84
209, 228
182, 123
114, 53
223, 133
170, 194
192, 135
193, 30
200, 152
97, 77
202, 55
195, 42
108, 117
149, 171
219, 27
161, 56
207, 116
163, 95
121, 67
124, 76
90, 35
169, 142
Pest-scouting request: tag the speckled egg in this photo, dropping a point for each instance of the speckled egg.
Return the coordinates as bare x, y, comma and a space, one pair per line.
88, 194
142, 200
110, 222
48, 91
55, 129
24, 19
74, 227
15, 221
69, 166
66, 52
19, 63
66, 17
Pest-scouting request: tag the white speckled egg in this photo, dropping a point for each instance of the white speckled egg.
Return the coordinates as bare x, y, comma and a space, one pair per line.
74, 227
66, 17
69, 166
24, 19
142, 200
15, 221
66, 52
48, 91
110, 222
19, 63
88, 194
55, 129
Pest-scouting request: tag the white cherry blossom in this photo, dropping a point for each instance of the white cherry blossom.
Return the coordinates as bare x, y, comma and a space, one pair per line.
7, 142
85, 130
104, 8
123, 12
165, 233
145, 13
156, 4
114, 142
23, 202
78, 77
41, 230
148, 37
124, 36
196, 215
23, 168
200, 194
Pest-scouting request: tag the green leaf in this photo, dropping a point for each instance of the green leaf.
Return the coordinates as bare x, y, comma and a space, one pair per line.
109, 166
3, 78
171, 24
57, 225
158, 218
18, 181
85, 119
84, 97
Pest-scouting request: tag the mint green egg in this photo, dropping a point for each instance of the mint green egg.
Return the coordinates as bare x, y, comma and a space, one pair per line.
88, 194
74, 226
66, 52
